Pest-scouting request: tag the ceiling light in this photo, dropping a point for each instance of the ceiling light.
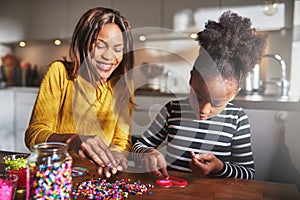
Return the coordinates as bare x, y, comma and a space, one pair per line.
57, 42
142, 38
193, 35
22, 44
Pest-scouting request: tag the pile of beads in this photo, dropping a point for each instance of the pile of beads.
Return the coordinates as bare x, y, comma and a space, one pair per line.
16, 163
105, 189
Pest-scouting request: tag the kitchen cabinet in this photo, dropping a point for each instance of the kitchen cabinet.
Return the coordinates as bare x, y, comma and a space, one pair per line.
275, 145
141, 13
44, 19
76, 8
171, 7
16, 105
13, 20
6, 120
48, 19
254, 10
205, 10
265, 139
24, 102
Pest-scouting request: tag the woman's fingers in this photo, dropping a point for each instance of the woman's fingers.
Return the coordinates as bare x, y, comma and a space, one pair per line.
100, 170
123, 163
107, 172
96, 150
91, 154
106, 154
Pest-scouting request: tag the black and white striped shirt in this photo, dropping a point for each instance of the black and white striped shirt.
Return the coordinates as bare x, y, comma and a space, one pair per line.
226, 135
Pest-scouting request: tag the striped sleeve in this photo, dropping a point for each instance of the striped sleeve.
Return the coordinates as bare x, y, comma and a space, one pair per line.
241, 164
154, 135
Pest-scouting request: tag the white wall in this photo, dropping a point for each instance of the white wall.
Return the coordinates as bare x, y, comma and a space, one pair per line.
295, 81
295, 70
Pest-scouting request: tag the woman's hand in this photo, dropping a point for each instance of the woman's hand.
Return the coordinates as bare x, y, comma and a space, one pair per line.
120, 163
96, 151
154, 161
92, 148
203, 164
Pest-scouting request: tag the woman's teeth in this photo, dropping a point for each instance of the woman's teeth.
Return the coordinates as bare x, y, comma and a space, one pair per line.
105, 67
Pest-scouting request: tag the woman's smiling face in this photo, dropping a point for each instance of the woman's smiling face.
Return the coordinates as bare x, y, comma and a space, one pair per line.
108, 50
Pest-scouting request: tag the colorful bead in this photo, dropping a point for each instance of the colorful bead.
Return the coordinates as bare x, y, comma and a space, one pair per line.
52, 181
105, 189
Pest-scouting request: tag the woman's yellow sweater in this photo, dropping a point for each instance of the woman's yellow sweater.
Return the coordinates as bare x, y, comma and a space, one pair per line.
66, 106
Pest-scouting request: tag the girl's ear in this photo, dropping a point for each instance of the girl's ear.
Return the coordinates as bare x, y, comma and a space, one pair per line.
237, 91
232, 98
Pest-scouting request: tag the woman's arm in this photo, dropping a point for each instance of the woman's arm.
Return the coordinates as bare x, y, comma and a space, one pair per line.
47, 106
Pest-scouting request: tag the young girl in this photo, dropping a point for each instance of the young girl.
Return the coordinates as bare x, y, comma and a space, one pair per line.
206, 134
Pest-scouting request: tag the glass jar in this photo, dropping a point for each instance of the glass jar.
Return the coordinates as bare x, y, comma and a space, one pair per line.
49, 172
16, 164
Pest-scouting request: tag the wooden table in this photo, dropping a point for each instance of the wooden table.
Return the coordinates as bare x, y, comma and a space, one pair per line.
197, 188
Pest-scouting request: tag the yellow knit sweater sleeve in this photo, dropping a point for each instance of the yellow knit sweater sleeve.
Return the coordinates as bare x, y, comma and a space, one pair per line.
47, 109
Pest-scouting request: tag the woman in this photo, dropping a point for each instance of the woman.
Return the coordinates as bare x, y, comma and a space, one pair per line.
206, 134
87, 102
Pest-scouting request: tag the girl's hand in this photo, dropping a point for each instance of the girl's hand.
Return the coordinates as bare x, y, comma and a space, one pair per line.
203, 164
153, 161
121, 161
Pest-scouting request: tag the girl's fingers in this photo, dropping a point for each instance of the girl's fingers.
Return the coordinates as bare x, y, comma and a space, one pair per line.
145, 164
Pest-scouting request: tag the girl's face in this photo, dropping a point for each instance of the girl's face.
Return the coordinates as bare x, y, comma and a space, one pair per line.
208, 98
108, 50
